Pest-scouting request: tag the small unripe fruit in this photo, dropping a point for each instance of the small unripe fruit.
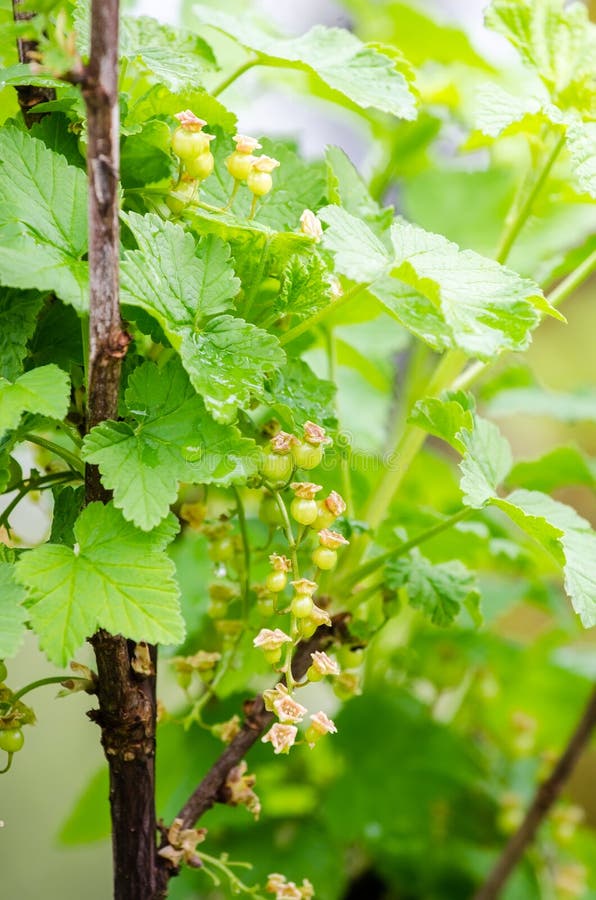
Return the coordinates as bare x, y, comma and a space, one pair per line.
269, 512
217, 609
266, 606
307, 456
324, 558
200, 167
188, 144
11, 740
260, 183
325, 517
239, 165
302, 605
221, 550
350, 657
272, 656
277, 467
304, 511
276, 581
3, 671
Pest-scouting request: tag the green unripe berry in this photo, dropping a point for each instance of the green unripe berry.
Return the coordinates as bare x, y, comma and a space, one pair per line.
179, 199
239, 165
302, 605
349, 657
3, 671
307, 456
188, 144
273, 656
184, 679
325, 517
304, 511
268, 289
200, 167
260, 183
277, 467
276, 581
217, 609
325, 558
221, 550
266, 607
11, 740
269, 512
306, 628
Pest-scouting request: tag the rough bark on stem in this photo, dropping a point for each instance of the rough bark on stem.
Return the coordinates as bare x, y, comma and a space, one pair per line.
127, 705
544, 799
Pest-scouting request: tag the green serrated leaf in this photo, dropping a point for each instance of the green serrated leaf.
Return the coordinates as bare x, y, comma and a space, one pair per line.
362, 74
444, 417
346, 187
305, 287
447, 296
145, 157
536, 401
43, 390
12, 614
557, 41
115, 578
228, 361
555, 469
564, 534
486, 462
18, 317
581, 143
182, 285
43, 223
438, 590
298, 395
168, 437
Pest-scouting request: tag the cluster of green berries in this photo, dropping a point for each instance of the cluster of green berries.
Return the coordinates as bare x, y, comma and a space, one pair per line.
11, 735
192, 146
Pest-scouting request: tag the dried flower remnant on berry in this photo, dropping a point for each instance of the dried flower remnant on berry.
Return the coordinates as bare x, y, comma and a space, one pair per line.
280, 563
306, 490
239, 789
335, 503
227, 731
282, 442
332, 540
288, 711
310, 225
273, 694
245, 144
315, 434
281, 737
265, 164
320, 725
304, 586
323, 664
320, 616
189, 121
182, 845
271, 639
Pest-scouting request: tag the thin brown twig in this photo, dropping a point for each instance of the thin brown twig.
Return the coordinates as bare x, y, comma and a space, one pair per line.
543, 801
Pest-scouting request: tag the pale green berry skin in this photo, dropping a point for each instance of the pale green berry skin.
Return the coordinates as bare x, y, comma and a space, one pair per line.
217, 609
349, 658
188, 144
324, 558
312, 735
266, 607
221, 550
239, 165
260, 183
200, 167
302, 606
307, 456
277, 467
269, 512
11, 740
179, 199
276, 581
304, 511
325, 517
306, 628
273, 656
313, 674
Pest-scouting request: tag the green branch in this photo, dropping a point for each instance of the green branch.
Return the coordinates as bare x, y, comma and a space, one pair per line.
313, 320
249, 64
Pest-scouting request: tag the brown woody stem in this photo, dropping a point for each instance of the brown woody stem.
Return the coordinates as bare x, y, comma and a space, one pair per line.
127, 705
543, 801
